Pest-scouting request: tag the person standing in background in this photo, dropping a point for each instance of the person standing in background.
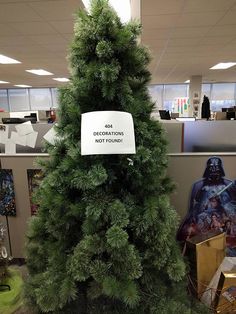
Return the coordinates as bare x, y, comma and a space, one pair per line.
206, 113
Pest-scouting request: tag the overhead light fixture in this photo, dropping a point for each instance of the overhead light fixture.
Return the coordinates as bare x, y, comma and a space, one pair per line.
7, 60
122, 8
188, 81
86, 4
39, 72
22, 85
61, 79
223, 65
4, 82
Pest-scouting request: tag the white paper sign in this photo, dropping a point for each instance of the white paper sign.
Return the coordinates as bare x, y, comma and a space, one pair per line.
4, 133
107, 132
24, 128
18, 139
51, 136
31, 139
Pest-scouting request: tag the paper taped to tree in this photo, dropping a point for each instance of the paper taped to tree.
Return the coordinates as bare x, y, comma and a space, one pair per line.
107, 132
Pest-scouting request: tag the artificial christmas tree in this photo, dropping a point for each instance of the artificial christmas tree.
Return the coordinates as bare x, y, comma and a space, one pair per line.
103, 240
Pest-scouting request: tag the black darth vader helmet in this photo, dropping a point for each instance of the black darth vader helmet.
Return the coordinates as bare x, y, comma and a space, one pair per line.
214, 168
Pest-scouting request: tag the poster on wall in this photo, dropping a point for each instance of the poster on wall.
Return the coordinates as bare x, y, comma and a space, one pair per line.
35, 177
212, 206
7, 193
181, 106
107, 132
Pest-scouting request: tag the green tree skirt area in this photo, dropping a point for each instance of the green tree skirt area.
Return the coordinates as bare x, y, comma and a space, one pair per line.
11, 300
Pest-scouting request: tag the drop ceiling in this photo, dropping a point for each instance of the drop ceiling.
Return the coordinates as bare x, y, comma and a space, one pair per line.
185, 37
38, 34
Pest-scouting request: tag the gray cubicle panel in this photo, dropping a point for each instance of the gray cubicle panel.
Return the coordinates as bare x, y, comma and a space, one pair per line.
18, 224
210, 136
185, 169
174, 134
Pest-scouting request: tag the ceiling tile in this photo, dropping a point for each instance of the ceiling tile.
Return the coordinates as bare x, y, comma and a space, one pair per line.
148, 7
183, 42
228, 19
155, 43
17, 12
7, 30
56, 10
207, 6
187, 32
15, 41
19, 1
159, 21
216, 40
63, 27
156, 33
34, 28
222, 30
57, 48
49, 39
199, 19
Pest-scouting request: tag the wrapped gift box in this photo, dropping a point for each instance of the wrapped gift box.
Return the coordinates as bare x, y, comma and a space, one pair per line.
225, 301
205, 253
228, 264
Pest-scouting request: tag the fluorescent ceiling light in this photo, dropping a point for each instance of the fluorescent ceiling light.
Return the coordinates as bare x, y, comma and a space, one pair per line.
22, 85
61, 79
223, 65
188, 81
86, 4
122, 8
4, 82
39, 72
7, 60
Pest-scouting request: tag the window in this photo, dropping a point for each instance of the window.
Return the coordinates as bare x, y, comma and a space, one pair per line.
4, 100
173, 92
156, 93
40, 99
19, 99
222, 96
206, 90
55, 100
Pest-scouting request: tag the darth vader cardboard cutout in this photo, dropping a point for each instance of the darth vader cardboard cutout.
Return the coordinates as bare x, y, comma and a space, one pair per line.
212, 206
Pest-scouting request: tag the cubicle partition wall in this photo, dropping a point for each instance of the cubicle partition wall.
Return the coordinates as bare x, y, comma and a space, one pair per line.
19, 164
210, 136
187, 168
175, 135
184, 168
200, 136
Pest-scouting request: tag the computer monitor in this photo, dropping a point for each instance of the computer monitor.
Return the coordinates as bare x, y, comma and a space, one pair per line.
18, 120
230, 115
165, 114
174, 115
31, 117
